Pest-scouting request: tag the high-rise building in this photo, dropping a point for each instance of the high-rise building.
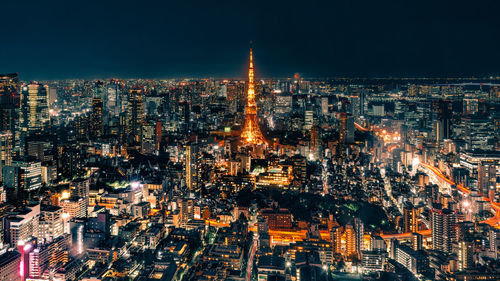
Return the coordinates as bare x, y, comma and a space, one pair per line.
22, 225
443, 225
80, 187
479, 133
336, 238
186, 209
487, 177
442, 125
350, 238
22, 177
9, 104
48, 256
135, 115
50, 223
52, 96
6, 146
410, 218
346, 128
96, 118
308, 120
148, 138
114, 103
34, 109
465, 255
191, 166
360, 231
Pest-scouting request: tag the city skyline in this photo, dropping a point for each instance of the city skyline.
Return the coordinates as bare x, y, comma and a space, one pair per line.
311, 155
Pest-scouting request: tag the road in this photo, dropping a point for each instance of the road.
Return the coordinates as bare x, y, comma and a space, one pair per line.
250, 259
493, 221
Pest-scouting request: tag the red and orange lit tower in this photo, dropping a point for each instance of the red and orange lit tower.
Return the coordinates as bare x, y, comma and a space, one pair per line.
251, 134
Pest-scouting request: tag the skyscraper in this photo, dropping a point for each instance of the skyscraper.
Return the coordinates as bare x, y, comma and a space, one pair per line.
148, 138
346, 128
191, 169
6, 146
9, 102
34, 106
96, 118
135, 115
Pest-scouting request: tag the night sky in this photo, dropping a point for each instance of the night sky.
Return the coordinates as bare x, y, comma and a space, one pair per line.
164, 39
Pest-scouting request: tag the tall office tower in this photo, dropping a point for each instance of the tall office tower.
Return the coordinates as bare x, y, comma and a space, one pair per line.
487, 177
410, 218
443, 225
96, 118
479, 133
9, 266
51, 223
114, 103
354, 101
34, 109
22, 225
52, 96
350, 238
5, 151
148, 138
158, 134
443, 110
346, 128
465, 254
251, 133
135, 115
360, 232
191, 168
9, 102
362, 99
416, 241
314, 148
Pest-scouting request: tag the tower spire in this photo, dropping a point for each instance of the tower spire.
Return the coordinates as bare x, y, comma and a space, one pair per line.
251, 133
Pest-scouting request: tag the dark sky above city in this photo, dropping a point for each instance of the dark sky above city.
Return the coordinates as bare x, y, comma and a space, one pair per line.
199, 38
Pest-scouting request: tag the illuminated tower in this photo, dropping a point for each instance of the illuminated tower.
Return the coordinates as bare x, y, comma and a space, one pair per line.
35, 111
251, 134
